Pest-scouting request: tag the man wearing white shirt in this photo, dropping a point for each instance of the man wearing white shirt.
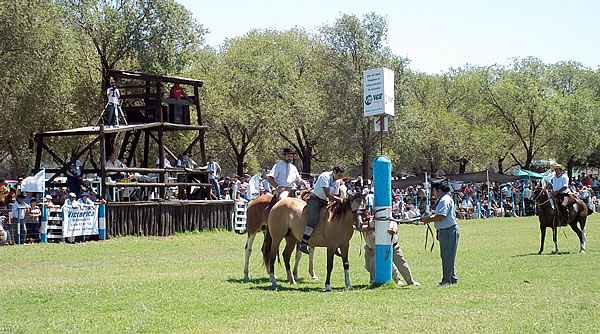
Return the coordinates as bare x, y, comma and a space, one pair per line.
113, 162
167, 162
560, 188
213, 177
326, 186
284, 174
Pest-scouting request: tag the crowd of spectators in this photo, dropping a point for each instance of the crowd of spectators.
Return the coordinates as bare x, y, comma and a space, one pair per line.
28, 206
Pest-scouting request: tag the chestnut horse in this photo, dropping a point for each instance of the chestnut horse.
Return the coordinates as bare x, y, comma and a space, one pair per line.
549, 217
333, 230
256, 220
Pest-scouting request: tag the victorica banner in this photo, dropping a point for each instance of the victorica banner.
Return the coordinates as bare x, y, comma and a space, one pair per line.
78, 222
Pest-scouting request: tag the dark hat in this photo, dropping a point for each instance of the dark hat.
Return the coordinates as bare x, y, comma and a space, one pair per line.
287, 150
85, 194
20, 196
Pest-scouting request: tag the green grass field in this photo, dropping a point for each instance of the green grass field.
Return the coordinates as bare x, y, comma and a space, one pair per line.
192, 283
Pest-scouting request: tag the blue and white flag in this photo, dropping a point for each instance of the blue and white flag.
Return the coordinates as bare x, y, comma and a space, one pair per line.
34, 184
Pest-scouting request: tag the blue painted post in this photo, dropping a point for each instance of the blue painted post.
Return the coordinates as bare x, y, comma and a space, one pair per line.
402, 207
382, 184
455, 200
19, 225
417, 203
44, 224
512, 195
102, 222
489, 203
478, 204
523, 204
502, 204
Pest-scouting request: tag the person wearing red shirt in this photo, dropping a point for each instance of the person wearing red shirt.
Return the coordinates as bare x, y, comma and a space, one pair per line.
178, 92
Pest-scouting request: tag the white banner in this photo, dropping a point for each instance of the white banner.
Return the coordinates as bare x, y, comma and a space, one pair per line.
378, 98
78, 222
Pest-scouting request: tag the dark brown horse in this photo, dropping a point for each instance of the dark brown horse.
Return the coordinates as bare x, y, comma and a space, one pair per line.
550, 217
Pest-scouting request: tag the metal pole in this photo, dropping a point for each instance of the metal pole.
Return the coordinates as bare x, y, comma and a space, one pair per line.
44, 224
102, 221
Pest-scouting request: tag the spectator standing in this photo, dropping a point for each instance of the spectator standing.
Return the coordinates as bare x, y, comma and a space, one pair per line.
4, 191
32, 221
214, 175
166, 161
19, 209
177, 93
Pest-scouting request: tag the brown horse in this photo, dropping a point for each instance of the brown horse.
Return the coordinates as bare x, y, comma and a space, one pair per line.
256, 220
333, 230
549, 217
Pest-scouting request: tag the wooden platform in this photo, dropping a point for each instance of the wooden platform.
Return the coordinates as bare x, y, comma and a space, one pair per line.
96, 130
166, 218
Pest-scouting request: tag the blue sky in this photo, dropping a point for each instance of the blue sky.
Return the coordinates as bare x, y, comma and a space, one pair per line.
434, 35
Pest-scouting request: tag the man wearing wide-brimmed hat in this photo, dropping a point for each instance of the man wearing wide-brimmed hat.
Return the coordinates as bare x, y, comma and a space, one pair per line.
284, 174
560, 186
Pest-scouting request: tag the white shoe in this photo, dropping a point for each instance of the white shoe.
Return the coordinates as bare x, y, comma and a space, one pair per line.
441, 285
399, 282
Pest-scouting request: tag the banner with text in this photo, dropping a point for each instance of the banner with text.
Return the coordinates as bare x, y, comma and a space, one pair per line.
78, 222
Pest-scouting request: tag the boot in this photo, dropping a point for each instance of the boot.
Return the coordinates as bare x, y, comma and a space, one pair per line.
304, 246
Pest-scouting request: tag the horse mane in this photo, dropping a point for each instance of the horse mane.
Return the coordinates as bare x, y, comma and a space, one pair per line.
336, 210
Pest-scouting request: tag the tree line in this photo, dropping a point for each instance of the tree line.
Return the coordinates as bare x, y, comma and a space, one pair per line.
303, 89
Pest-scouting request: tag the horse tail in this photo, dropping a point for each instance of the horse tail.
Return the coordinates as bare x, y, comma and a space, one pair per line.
266, 249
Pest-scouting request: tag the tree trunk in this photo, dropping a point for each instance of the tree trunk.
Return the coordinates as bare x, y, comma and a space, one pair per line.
570, 168
306, 159
240, 163
500, 168
463, 165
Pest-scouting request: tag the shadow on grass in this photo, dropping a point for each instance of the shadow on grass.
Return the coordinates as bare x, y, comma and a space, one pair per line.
319, 288
252, 280
543, 254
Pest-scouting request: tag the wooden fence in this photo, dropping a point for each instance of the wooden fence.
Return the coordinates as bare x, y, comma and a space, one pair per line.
167, 217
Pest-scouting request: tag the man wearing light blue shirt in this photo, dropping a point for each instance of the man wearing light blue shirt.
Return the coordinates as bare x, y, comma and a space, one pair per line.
444, 221
214, 176
326, 187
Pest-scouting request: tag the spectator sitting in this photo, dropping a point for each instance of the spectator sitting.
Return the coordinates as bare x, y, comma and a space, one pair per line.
186, 162
113, 162
94, 198
166, 161
3, 233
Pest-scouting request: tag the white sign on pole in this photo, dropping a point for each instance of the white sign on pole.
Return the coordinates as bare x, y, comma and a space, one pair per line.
378, 98
382, 123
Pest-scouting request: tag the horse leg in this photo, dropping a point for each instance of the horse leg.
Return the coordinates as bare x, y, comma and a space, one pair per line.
344, 250
248, 252
554, 232
298, 257
311, 267
330, 253
287, 255
543, 230
583, 234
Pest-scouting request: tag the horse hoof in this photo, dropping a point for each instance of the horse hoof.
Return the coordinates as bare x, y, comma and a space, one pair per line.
296, 278
328, 288
315, 278
246, 278
349, 287
582, 251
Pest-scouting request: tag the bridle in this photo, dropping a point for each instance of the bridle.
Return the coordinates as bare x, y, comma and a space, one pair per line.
544, 190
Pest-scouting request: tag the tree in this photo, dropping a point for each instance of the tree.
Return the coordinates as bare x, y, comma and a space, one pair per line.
355, 45
522, 102
157, 36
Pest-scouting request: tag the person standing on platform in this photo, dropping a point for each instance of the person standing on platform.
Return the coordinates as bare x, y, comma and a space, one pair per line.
186, 162
177, 93
113, 93
444, 220
284, 174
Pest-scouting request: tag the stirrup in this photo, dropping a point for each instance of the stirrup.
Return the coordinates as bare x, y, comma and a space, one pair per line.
304, 247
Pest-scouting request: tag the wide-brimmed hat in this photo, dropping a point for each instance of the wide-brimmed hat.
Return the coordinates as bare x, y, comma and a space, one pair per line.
287, 150
72, 195
48, 196
558, 166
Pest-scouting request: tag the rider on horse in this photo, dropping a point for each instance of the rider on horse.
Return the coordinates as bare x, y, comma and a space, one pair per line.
284, 174
560, 190
326, 187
